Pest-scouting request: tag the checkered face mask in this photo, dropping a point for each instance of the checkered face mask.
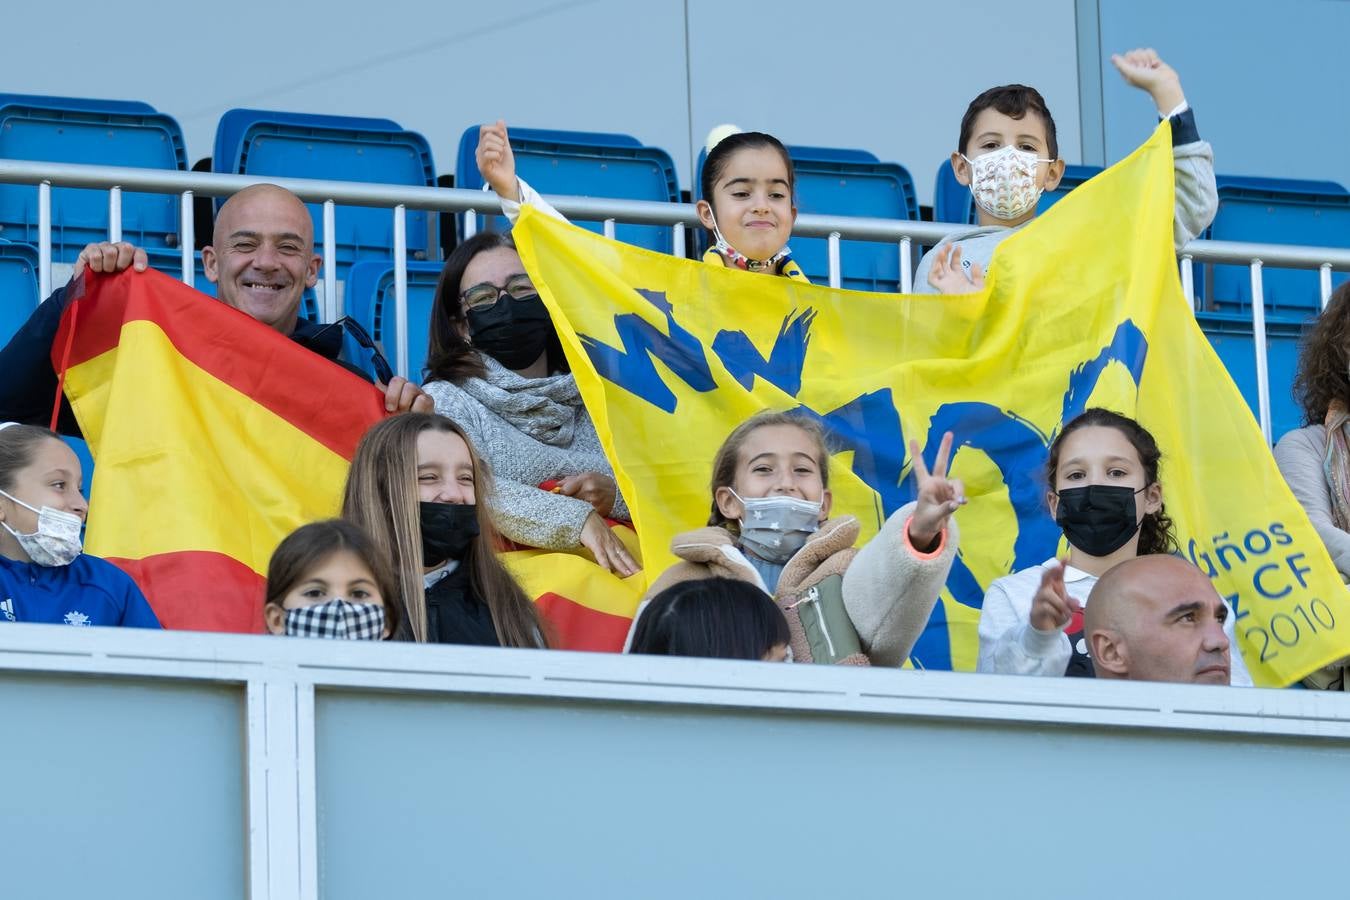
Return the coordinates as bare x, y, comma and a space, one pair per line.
337, 618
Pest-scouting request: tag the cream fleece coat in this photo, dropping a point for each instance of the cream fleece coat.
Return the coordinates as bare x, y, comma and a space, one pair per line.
889, 587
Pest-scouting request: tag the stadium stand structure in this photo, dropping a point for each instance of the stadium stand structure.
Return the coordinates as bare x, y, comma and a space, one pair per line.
339, 148
370, 300
94, 132
585, 164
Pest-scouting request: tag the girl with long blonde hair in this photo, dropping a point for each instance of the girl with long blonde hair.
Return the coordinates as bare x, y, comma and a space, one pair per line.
420, 491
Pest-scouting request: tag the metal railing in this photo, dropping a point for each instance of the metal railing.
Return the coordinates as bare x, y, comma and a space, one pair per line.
678, 216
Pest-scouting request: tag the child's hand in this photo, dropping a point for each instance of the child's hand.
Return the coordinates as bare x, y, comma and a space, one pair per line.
496, 162
939, 496
1052, 608
1145, 70
948, 276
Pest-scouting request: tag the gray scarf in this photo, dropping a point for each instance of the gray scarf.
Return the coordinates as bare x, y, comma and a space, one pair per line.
545, 409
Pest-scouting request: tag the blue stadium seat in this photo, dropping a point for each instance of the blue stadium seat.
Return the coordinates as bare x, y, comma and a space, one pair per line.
370, 300
851, 183
89, 104
18, 287
170, 262
340, 148
94, 132
1230, 334
86, 462
586, 164
952, 201
1276, 211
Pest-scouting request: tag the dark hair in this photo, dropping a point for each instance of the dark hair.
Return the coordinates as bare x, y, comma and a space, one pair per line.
18, 446
313, 544
724, 463
381, 496
714, 617
1014, 100
450, 355
1156, 532
1322, 361
720, 155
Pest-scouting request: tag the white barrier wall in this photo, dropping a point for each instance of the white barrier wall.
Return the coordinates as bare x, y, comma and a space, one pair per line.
147, 765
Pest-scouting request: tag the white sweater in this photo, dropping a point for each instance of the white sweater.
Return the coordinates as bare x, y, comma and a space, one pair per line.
1010, 646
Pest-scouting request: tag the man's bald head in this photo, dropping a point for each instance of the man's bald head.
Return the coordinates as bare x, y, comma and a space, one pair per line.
262, 254
1157, 618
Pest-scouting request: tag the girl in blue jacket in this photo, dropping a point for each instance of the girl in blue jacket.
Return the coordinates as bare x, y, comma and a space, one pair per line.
44, 576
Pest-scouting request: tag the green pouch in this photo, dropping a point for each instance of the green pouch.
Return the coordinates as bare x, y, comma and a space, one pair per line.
828, 629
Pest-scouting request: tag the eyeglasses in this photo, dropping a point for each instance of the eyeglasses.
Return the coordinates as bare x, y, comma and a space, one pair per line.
482, 296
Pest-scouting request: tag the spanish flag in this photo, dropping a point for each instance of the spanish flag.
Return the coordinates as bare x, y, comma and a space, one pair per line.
216, 436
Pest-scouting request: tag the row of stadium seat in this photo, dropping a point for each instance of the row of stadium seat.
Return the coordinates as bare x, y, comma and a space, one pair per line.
830, 181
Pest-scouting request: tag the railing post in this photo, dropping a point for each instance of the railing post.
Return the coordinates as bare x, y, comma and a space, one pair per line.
1324, 279
44, 240
470, 224
609, 229
906, 267
1259, 342
332, 310
187, 239
401, 287
677, 240
114, 214
1188, 281
835, 279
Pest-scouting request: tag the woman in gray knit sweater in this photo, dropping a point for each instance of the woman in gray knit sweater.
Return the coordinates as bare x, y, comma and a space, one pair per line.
1315, 459
495, 366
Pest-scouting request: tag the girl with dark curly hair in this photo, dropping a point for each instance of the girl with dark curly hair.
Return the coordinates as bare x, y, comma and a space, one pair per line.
1315, 459
1103, 490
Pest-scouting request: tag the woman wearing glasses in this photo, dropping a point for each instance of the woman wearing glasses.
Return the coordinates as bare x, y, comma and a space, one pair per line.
495, 366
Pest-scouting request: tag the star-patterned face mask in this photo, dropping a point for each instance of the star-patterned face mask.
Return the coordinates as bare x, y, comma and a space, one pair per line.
774, 528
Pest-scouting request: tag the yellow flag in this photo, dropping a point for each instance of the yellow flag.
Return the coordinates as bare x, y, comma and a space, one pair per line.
1082, 308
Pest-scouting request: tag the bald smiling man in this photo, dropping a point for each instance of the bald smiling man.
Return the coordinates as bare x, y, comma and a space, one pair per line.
1157, 618
261, 260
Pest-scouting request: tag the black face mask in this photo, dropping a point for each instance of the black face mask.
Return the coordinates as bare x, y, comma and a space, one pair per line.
448, 529
513, 332
1098, 519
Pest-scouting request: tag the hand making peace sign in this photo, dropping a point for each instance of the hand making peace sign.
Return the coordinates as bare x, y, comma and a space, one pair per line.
939, 496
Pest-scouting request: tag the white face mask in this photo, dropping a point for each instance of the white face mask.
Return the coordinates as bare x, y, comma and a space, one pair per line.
1003, 182
57, 539
774, 528
739, 259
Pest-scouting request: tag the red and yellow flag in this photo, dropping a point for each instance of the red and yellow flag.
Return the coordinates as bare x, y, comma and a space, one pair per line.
215, 437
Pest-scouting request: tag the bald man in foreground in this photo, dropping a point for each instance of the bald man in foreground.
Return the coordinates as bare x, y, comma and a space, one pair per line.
261, 260
1157, 618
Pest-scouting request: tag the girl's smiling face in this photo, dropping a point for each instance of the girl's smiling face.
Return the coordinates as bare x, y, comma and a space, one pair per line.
776, 460
751, 203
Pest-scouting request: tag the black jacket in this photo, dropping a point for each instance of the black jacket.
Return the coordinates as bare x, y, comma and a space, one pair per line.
456, 615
